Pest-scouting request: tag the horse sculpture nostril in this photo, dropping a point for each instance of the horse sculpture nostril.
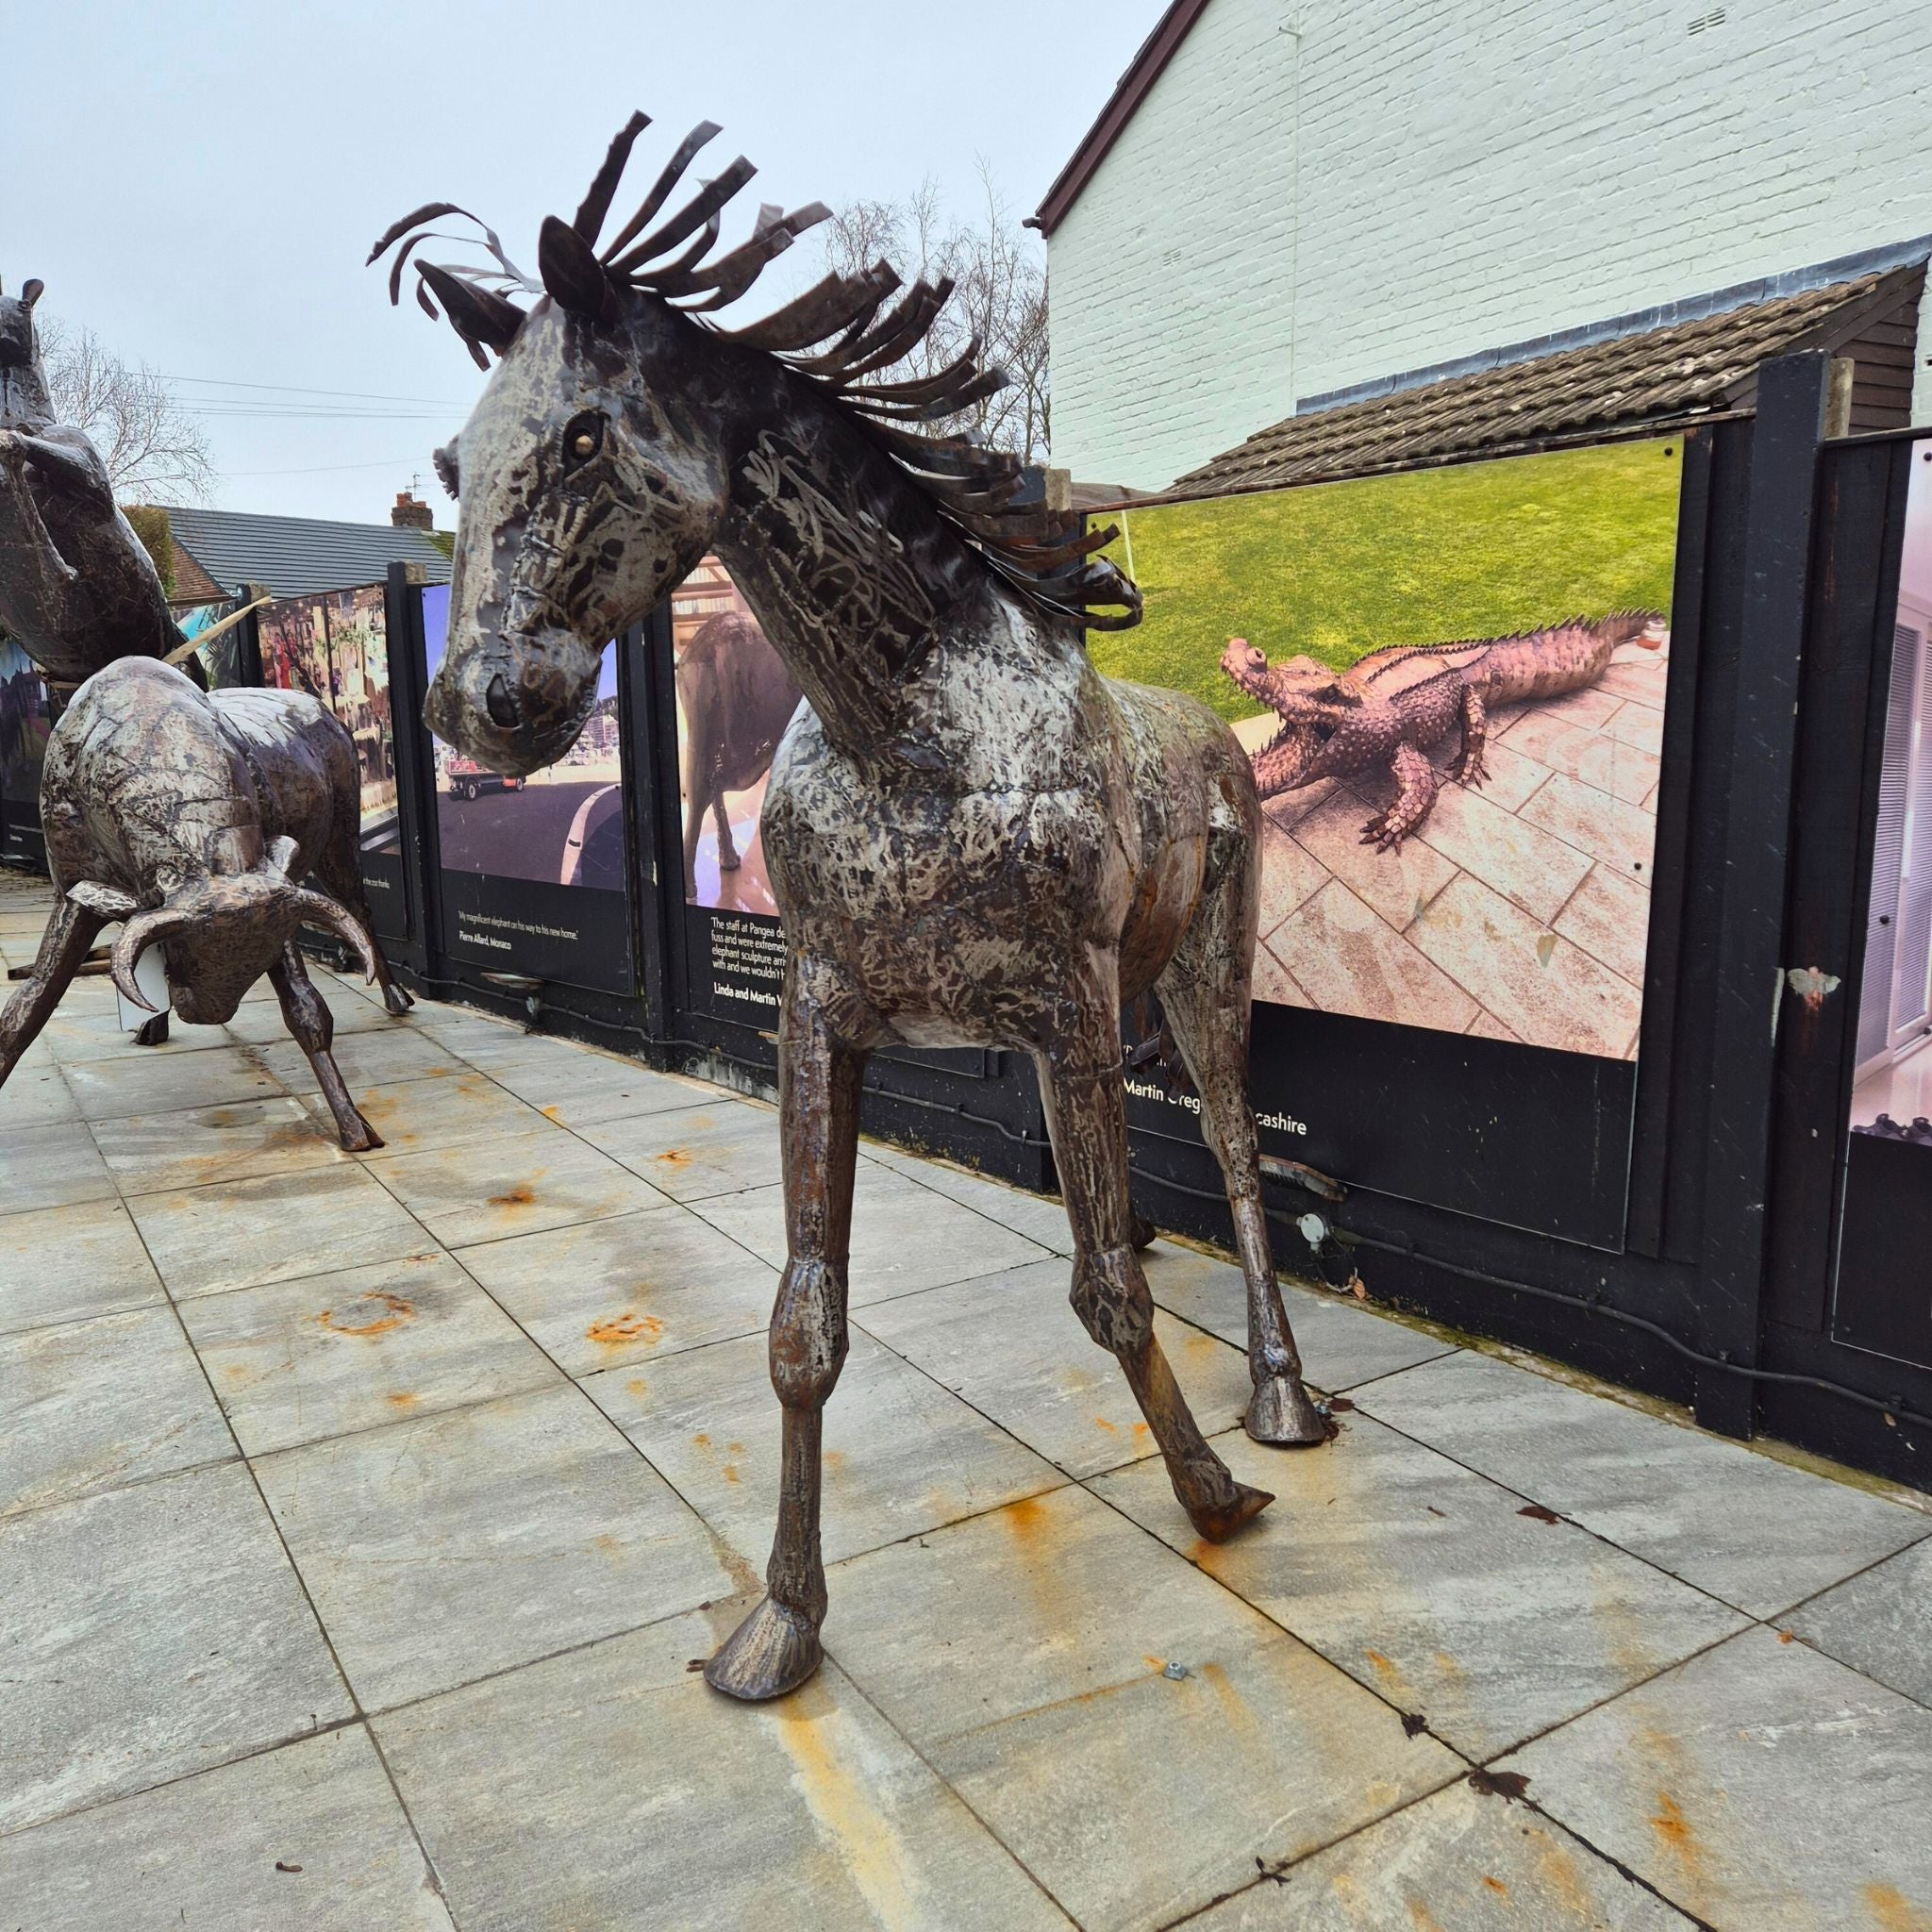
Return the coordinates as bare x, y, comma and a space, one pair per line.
503, 707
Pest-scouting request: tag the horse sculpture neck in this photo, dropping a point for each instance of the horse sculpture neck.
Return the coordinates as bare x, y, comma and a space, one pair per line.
850, 569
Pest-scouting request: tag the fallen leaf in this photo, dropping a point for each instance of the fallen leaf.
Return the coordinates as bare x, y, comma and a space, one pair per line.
281, 1867
1538, 1514
1414, 1724
1499, 1784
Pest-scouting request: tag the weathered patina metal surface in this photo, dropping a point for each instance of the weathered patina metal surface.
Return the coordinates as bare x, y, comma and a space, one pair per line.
972, 837
77, 588
189, 817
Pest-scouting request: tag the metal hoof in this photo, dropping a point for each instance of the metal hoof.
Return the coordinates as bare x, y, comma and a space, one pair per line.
153, 1032
395, 999
1142, 1233
360, 1138
1217, 1524
1281, 1413
774, 1650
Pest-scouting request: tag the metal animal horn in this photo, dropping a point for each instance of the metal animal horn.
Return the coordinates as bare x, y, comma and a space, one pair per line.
136, 936
31, 293
572, 272
316, 910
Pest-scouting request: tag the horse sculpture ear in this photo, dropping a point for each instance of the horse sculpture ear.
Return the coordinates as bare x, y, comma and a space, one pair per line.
572, 272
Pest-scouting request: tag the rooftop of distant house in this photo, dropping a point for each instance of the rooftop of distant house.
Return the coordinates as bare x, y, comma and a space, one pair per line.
217, 551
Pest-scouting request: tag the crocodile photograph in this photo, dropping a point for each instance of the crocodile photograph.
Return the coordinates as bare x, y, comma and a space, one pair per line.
1389, 706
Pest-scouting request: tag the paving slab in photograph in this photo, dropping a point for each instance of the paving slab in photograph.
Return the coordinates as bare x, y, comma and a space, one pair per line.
149, 1633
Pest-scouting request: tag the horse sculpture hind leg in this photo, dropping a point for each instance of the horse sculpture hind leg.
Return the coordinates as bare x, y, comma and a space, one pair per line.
1203, 994
777, 1648
1085, 1107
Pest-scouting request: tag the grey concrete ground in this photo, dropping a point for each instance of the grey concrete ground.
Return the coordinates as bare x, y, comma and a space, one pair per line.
362, 1519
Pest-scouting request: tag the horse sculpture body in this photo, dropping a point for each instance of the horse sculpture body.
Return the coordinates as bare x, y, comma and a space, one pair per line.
974, 838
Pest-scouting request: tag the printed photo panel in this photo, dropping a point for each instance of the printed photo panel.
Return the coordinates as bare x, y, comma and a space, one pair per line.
1451, 685
562, 826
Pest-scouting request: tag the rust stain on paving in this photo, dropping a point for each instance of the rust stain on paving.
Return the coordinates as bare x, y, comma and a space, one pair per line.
522, 1195
402, 1399
388, 1311
1674, 1833
672, 1157
622, 1329
864, 1843
1422, 1917
1893, 1911
1558, 1872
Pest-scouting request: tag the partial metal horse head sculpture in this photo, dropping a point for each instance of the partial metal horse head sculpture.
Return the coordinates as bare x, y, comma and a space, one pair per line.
974, 838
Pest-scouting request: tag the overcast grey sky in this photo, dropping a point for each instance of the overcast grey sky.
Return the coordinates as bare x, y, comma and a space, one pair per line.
199, 183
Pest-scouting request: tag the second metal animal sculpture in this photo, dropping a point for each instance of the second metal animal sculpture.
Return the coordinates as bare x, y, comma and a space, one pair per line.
189, 817
974, 838
77, 588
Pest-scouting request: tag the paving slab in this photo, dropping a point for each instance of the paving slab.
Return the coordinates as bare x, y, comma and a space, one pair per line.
1041, 1218
51, 1166
1879, 1623
1011, 1346
92, 1405
294, 1361
149, 1153
1343, 1344
1755, 1532
1760, 1786
1455, 1862
486, 1042
696, 1152
646, 1800
259, 1021
1424, 1583
85, 1031
149, 1632
440, 1111
511, 1184
901, 1454
905, 1237
161, 1082
591, 1087
236, 1234
380, 1055
605, 1294
441, 1550
35, 1095
64, 1265
1024, 1654
310, 1837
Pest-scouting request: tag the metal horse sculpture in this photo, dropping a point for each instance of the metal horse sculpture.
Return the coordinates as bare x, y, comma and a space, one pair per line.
77, 588
189, 817
973, 835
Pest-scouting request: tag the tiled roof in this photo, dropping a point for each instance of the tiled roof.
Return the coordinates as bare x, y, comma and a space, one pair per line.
1662, 377
296, 554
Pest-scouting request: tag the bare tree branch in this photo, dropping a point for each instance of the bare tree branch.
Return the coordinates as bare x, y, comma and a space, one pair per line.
999, 296
154, 450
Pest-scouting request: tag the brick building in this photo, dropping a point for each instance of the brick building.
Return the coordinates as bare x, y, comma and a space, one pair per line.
1288, 205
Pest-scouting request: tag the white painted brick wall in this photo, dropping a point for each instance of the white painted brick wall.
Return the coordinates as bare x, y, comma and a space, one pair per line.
1470, 172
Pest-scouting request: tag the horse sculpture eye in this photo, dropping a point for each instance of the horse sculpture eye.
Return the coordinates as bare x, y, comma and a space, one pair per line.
584, 445
583, 439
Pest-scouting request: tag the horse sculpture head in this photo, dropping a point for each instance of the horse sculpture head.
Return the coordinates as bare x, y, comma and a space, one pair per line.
598, 463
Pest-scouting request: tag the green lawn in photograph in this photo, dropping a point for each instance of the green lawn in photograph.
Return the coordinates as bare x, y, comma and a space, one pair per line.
1337, 570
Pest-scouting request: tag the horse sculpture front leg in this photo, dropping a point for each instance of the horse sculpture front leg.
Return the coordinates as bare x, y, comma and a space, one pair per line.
820, 1077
